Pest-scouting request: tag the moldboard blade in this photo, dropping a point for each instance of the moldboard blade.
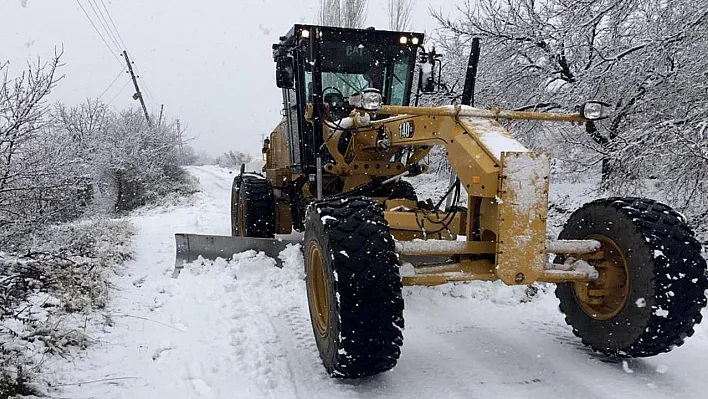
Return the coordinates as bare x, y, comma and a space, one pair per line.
190, 246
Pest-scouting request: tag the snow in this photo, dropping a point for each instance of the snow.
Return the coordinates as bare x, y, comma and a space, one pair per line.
240, 329
492, 135
572, 246
625, 367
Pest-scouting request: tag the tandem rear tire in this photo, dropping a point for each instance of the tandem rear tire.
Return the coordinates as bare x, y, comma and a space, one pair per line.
353, 288
404, 190
652, 280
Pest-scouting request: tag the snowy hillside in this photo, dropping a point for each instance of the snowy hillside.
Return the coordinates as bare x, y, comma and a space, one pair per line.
241, 329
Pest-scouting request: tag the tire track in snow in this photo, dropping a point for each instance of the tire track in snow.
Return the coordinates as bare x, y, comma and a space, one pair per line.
308, 374
215, 179
257, 350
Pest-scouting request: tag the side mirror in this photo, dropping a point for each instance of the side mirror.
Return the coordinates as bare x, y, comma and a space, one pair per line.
429, 72
427, 78
284, 72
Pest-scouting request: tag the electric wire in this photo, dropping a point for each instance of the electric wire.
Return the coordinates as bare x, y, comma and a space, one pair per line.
145, 86
103, 22
99, 32
119, 92
115, 35
115, 28
115, 38
111, 84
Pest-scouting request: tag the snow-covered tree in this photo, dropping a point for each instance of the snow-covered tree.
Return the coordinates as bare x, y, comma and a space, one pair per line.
56, 164
342, 13
399, 14
32, 182
642, 57
233, 159
129, 162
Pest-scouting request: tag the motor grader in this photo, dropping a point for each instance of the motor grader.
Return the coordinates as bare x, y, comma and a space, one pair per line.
629, 272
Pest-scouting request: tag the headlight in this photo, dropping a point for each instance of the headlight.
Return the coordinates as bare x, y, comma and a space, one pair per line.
595, 110
368, 100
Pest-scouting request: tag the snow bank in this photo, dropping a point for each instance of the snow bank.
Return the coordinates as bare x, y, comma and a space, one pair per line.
51, 291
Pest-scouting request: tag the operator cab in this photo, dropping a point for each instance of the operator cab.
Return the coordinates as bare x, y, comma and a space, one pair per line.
328, 65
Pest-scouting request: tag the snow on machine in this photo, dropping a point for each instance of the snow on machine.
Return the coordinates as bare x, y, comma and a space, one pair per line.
629, 272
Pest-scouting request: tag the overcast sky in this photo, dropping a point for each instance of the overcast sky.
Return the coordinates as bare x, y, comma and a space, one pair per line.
208, 62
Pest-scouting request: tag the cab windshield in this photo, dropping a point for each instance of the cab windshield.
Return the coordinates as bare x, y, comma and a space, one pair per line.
349, 68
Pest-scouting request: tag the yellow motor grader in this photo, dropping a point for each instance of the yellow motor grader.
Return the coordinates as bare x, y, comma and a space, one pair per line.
629, 272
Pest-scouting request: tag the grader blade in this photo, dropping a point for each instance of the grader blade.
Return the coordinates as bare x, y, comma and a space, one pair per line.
191, 246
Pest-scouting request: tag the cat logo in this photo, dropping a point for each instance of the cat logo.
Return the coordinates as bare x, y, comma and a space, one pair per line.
355, 51
406, 129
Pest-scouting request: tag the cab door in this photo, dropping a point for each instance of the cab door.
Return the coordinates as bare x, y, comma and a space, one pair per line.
291, 115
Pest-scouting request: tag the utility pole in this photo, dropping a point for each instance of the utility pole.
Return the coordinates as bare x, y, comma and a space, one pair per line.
180, 144
138, 95
159, 121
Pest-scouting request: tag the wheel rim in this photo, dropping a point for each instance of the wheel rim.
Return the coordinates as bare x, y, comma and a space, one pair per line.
605, 297
317, 290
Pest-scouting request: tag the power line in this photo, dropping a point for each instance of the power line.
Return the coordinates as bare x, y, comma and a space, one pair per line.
114, 24
145, 86
103, 22
119, 92
99, 33
125, 47
112, 34
112, 83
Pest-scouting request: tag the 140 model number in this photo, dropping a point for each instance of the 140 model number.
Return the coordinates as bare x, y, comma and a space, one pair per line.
406, 129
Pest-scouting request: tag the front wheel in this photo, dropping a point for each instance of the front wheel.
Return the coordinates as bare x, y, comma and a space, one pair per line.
652, 278
253, 214
353, 288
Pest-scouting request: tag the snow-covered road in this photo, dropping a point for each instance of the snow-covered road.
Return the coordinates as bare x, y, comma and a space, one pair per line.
241, 330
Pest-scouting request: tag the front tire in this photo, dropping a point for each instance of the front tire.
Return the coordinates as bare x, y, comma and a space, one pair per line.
652, 280
255, 212
353, 288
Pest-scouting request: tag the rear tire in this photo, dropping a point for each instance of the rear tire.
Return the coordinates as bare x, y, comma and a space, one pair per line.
404, 190
255, 214
353, 288
655, 303
400, 189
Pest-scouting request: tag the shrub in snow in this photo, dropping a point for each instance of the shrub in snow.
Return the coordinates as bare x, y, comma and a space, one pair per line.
48, 291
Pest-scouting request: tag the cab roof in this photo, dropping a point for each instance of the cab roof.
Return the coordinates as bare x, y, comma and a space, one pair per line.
348, 35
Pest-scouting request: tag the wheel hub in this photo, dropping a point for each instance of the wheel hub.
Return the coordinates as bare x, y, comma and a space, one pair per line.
605, 297
317, 290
